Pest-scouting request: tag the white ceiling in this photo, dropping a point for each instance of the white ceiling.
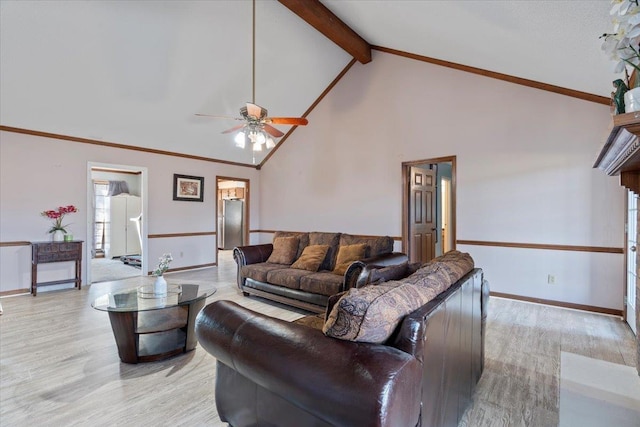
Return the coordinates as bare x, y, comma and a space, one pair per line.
136, 72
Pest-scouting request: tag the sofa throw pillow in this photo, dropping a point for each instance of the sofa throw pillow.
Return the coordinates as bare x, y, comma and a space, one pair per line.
324, 238
285, 250
304, 239
346, 255
311, 258
447, 268
371, 314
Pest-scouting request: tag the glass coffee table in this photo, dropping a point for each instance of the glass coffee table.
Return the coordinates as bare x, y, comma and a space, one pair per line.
148, 327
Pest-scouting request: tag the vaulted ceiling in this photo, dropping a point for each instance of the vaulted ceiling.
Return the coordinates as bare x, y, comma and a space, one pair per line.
137, 72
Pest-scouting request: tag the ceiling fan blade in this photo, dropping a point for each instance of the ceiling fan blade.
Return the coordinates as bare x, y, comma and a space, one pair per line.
256, 111
233, 129
219, 117
298, 121
272, 131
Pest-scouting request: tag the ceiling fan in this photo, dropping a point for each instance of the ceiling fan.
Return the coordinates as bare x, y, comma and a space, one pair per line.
257, 124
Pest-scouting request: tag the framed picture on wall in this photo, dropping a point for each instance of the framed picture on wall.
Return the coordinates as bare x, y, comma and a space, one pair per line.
188, 188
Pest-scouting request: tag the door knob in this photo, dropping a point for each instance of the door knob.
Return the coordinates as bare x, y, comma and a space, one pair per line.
632, 248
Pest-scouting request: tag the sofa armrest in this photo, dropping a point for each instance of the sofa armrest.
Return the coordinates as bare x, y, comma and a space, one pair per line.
357, 275
254, 254
354, 387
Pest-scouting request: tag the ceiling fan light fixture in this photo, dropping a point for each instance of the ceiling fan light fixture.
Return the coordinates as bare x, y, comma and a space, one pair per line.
270, 143
240, 139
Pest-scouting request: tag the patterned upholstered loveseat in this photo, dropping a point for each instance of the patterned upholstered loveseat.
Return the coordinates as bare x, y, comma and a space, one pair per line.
304, 269
405, 352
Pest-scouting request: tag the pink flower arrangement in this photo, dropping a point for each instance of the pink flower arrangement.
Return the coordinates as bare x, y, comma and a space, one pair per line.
57, 217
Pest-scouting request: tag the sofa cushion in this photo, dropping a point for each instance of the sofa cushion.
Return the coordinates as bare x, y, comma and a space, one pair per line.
287, 277
285, 250
347, 254
311, 258
377, 245
331, 239
371, 313
323, 283
304, 239
259, 271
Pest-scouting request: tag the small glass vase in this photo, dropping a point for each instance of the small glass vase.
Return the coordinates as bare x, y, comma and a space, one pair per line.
160, 286
57, 236
632, 100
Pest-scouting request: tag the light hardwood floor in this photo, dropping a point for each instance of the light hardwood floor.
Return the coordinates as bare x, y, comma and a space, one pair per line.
59, 363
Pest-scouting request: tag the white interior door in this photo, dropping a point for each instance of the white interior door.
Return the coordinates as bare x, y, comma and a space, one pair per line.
632, 247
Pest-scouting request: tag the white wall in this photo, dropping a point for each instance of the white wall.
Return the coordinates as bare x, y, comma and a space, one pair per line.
38, 174
524, 172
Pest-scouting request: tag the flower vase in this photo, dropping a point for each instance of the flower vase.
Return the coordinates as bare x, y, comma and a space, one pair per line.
160, 286
57, 236
632, 100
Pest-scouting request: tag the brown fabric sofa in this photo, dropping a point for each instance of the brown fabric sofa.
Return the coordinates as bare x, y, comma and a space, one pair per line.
272, 372
309, 289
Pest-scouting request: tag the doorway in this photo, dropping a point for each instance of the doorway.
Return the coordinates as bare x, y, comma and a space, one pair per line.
232, 216
428, 208
116, 223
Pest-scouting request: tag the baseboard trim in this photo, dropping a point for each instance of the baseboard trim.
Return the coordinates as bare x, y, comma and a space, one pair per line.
562, 304
15, 292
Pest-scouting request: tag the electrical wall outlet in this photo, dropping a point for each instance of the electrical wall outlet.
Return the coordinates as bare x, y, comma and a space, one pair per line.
551, 279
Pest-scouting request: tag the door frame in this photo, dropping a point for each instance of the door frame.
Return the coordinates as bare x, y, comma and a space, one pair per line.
627, 250
143, 199
446, 213
247, 199
405, 198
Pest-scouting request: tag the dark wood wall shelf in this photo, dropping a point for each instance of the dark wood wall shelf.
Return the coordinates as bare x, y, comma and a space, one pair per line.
621, 152
46, 252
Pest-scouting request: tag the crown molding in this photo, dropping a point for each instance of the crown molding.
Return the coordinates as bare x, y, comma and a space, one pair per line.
499, 76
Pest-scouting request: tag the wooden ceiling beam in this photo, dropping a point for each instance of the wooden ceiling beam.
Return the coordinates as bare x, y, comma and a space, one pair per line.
322, 19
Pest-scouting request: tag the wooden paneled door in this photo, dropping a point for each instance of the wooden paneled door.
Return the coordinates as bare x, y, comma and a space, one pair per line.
422, 214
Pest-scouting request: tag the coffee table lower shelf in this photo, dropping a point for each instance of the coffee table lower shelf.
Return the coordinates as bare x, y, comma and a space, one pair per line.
161, 345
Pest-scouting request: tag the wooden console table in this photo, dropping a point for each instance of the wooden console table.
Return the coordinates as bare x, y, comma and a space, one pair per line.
46, 252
